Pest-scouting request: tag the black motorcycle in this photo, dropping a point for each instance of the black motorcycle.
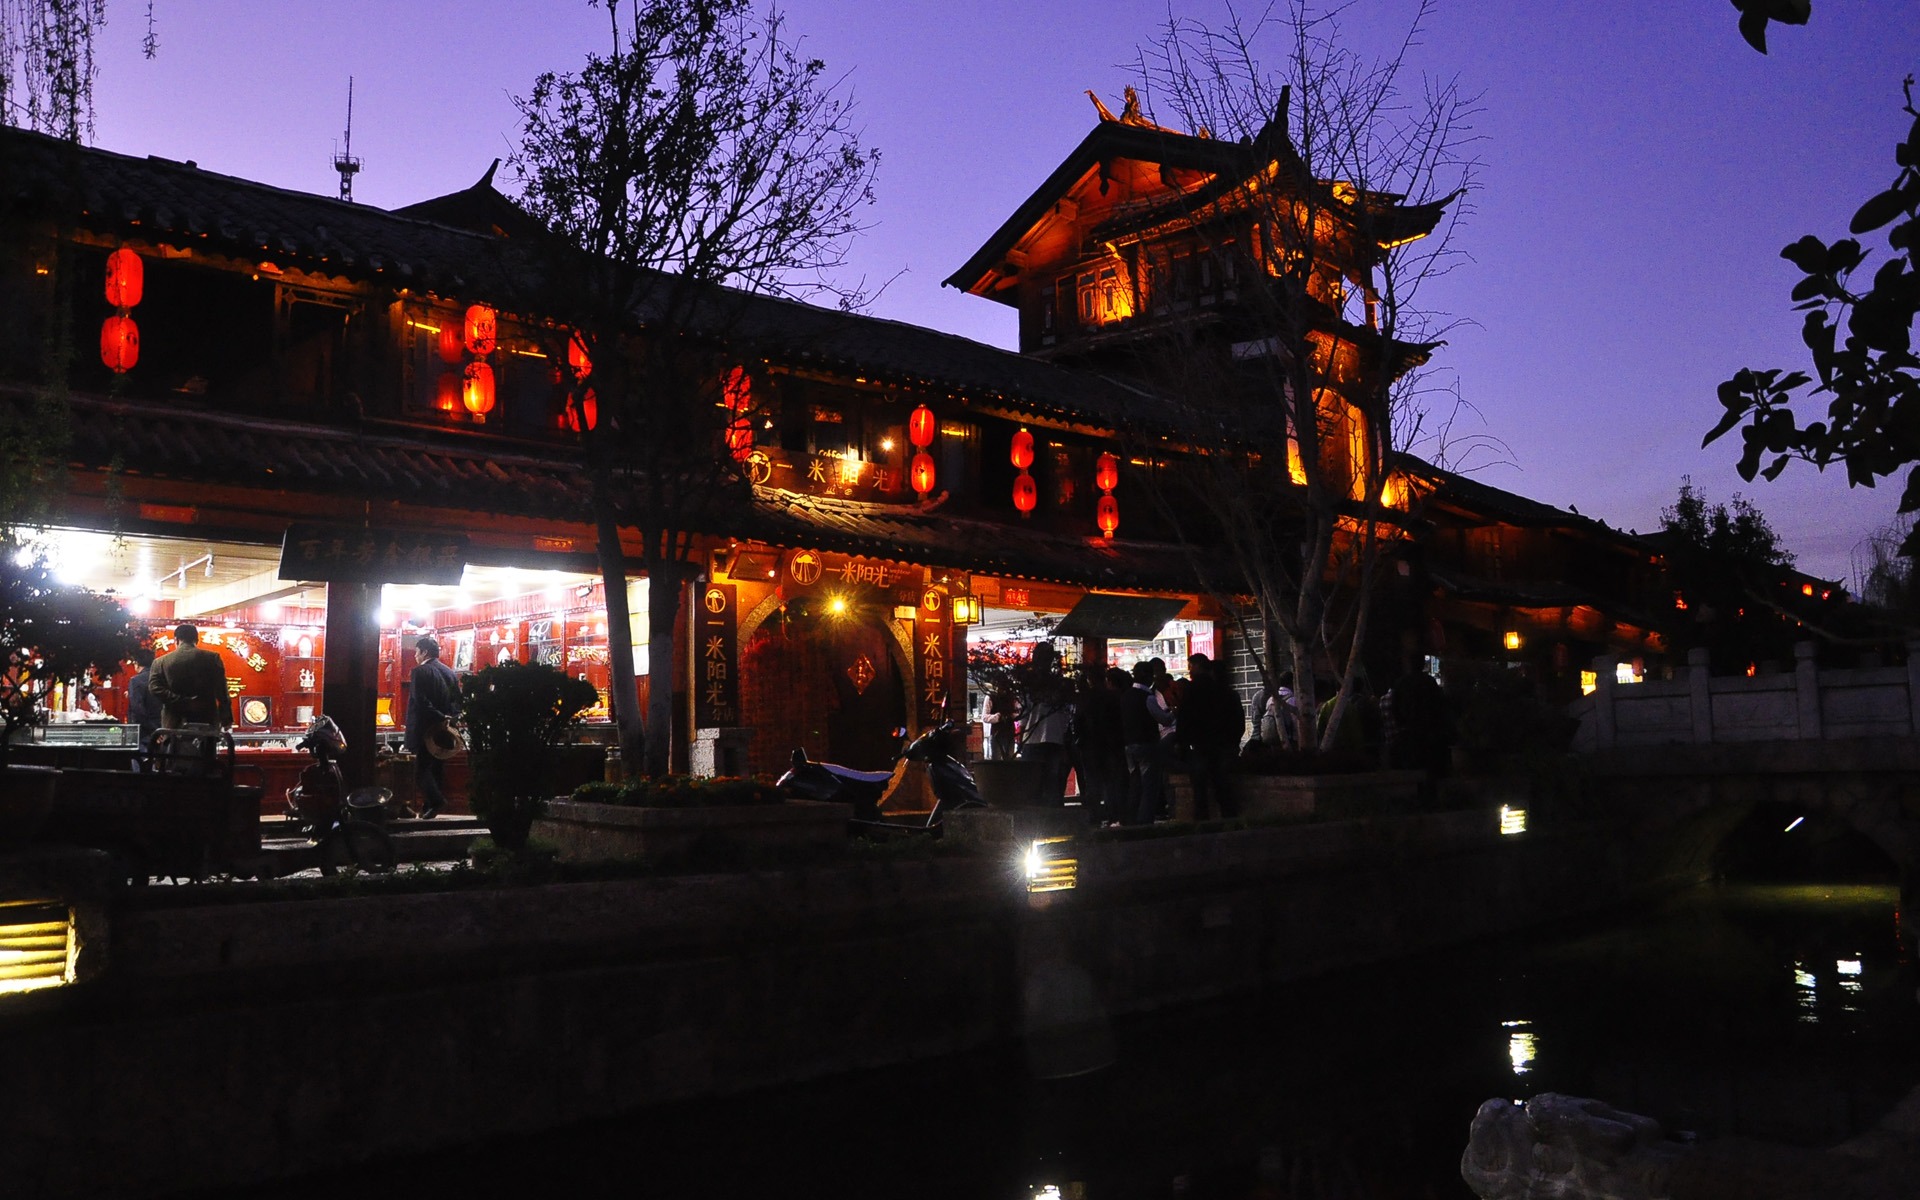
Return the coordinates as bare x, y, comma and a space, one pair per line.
891, 801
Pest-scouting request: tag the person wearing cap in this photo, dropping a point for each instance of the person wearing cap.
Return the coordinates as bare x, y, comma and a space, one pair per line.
433, 701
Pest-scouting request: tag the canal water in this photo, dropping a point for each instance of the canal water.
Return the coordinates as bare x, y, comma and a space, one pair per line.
1785, 1012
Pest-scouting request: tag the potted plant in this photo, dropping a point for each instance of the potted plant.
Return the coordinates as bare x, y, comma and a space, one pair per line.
517, 715
49, 632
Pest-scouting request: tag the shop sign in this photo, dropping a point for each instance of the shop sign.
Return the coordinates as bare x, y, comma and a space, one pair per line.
932, 662
819, 474
814, 568
716, 697
345, 554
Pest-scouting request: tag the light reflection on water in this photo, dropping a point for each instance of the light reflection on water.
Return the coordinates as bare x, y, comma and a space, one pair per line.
1784, 1013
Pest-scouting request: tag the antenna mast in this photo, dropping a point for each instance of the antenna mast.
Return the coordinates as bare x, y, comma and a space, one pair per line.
344, 161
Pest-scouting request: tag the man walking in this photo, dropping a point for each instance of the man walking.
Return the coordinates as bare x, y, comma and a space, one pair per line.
191, 684
432, 702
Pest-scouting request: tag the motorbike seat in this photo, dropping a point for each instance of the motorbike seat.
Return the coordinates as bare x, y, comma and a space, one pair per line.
856, 776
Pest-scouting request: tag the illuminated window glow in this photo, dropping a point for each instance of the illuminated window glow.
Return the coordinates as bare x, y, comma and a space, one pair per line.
1512, 820
1589, 682
1624, 673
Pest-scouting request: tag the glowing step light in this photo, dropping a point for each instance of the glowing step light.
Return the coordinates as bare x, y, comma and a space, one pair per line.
37, 946
1048, 873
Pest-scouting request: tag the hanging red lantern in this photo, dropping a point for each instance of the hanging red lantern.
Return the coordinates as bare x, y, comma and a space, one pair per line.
1107, 515
119, 343
577, 359
585, 412
1106, 473
1022, 454
737, 391
480, 330
476, 391
920, 427
449, 344
447, 393
126, 278
1026, 493
740, 439
920, 473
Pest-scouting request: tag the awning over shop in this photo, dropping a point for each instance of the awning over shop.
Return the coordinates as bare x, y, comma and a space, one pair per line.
1111, 615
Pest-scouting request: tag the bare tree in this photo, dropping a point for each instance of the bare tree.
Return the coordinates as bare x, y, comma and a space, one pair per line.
47, 65
1307, 382
700, 159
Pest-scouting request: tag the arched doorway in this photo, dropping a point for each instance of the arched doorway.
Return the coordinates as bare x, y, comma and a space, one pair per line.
832, 684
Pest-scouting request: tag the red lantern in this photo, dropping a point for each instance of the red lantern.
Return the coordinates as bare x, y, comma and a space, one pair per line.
447, 394
1022, 455
119, 343
740, 439
481, 329
577, 357
1026, 494
921, 472
449, 345
476, 391
1106, 473
920, 427
586, 411
126, 278
1107, 515
737, 391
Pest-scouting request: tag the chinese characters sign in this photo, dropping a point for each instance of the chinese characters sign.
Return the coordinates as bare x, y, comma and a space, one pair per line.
716, 667
932, 657
813, 568
343, 554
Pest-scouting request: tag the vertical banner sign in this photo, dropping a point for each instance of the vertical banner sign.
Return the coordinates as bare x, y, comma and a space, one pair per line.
716, 697
932, 655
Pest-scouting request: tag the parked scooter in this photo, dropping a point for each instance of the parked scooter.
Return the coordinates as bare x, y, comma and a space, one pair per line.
345, 825
885, 801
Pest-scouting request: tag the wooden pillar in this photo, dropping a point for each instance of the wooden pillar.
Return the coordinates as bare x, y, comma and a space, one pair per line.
677, 665
353, 673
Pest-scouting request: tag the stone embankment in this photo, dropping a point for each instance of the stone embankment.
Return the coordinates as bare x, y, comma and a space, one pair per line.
226, 1044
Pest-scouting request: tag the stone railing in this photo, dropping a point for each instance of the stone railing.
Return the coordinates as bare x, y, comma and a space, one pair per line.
1701, 709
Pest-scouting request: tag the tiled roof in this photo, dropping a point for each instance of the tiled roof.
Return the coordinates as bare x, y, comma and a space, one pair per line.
928, 535
175, 202
245, 450
433, 469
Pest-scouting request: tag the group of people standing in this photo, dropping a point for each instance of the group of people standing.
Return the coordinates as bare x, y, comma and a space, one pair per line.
1120, 731
188, 686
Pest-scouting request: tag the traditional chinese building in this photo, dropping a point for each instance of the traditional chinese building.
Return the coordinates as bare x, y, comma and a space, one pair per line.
319, 429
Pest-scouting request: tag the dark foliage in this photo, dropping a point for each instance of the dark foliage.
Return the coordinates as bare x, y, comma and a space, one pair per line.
1861, 342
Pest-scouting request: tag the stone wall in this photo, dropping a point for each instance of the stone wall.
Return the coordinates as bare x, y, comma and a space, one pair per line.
243, 1042
1806, 703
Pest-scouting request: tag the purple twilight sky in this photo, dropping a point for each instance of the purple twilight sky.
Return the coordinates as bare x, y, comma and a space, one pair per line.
1641, 168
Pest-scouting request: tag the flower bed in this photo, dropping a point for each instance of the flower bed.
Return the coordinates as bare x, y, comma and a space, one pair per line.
674, 818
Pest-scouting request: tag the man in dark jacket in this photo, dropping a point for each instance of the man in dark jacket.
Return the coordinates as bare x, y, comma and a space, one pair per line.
191, 684
143, 711
1207, 729
1142, 717
433, 700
